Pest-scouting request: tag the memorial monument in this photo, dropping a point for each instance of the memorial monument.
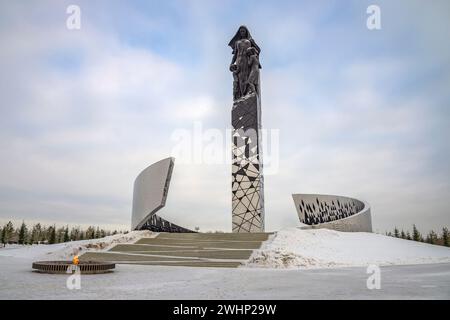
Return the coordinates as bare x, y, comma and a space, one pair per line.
247, 164
314, 210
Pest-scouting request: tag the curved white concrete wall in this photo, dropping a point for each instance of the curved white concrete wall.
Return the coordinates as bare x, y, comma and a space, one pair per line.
333, 212
150, 191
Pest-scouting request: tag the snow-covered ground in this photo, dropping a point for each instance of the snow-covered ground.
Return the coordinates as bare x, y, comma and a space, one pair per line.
427, 281
301, 254
322, 248
291, 248
67, 250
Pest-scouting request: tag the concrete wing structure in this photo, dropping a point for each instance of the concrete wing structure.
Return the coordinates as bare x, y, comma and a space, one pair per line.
333, 212
149, 196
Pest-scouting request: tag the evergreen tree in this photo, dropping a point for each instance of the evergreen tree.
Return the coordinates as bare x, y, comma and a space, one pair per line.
10, 230
416, 234
445, 239
52, 235
23, 233
15, 237
66, 235
396, 233
90, 233
402, 234
3, 234
44, 234
431, 237
72, 235
60, 234
434, 236
36, 233
408, 235
7, 233
97, 233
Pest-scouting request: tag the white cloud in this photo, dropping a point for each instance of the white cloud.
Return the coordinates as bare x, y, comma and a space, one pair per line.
75, 136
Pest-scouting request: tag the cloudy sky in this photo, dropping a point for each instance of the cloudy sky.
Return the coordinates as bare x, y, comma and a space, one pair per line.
362, 113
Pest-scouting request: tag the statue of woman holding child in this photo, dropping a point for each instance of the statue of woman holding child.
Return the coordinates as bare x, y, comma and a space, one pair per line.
245, 64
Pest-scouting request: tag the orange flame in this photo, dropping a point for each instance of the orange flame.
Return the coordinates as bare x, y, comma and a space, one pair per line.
75, 260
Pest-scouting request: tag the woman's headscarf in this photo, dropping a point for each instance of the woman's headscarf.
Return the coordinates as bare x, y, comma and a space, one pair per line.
238, 36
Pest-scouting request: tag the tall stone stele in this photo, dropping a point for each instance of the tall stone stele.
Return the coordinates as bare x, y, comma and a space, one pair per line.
247, 164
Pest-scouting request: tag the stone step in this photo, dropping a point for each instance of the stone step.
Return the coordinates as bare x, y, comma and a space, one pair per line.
117, 257
204, 264
201, 244
228, 250
216, 236
209, 254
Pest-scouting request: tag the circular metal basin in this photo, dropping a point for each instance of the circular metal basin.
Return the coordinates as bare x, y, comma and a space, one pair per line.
67, 267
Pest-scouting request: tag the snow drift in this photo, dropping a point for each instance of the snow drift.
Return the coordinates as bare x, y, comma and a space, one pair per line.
322, 248
67, 250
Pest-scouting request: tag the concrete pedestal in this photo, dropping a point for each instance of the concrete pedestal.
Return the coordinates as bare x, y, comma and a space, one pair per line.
247, 177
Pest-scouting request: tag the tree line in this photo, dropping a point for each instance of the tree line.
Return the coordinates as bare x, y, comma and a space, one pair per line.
431, 237
39, 233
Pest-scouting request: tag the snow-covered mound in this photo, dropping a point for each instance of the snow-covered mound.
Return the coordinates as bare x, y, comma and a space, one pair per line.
67, 250
322, 248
